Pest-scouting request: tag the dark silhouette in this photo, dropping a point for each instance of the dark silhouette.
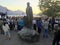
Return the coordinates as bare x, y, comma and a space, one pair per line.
29, 15
56, 37
53, 22
39, 25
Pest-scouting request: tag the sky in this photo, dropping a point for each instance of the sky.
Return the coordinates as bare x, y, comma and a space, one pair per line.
20, 5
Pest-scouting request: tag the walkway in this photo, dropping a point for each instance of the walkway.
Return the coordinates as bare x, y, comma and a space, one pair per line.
15, 41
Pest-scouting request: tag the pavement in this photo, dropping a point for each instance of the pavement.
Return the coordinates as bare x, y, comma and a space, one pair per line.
16, 41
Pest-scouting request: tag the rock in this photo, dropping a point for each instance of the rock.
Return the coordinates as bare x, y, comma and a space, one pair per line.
27, 34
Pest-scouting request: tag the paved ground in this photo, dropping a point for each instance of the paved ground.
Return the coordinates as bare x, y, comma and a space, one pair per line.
15, 41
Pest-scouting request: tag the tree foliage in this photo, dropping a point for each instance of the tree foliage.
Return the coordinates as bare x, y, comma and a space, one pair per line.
52, 11
49, 8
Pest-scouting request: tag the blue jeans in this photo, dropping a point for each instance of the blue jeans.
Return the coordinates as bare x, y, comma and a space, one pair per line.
45, 33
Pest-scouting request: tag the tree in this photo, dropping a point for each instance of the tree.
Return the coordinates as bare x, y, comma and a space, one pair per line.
44, 4
50, 8
52, 11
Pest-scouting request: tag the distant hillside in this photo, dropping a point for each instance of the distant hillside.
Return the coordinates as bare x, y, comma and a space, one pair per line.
9, 12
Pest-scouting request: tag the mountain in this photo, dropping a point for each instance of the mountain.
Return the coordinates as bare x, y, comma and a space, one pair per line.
19, 12
10, 12
3, 9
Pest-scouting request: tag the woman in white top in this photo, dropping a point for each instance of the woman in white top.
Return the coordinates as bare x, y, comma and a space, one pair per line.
6, 30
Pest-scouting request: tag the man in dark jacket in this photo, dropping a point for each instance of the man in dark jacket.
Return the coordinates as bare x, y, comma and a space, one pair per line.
56, 37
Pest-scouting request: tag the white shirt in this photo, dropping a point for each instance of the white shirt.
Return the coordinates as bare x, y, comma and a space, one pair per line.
5, 28
34, 21
46, 24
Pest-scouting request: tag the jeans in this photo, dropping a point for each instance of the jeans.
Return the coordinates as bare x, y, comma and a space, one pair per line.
45, 33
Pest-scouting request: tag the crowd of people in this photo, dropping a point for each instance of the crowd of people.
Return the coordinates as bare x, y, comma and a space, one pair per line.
47, 25
9, 24
16, 24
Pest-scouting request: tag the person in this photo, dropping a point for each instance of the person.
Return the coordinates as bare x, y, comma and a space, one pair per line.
45, 24
15, 25
56, 37
53, 22
39, 25
34, 24
50, 25
5, 28
11, 25
1, 26
21, 24
8, 20
29, 15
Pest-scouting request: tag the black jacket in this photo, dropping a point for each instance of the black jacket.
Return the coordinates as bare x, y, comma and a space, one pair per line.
57, 35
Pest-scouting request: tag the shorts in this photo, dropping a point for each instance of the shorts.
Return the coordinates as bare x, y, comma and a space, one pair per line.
7, 33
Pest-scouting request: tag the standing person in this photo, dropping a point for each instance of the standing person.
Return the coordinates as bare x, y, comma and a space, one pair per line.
8, 20
6, 30
50, 25
34, 24
15, 24
18, 23
56, 37
45, 24
11, 24
39, 25
0, 26
21, 24
53, 22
